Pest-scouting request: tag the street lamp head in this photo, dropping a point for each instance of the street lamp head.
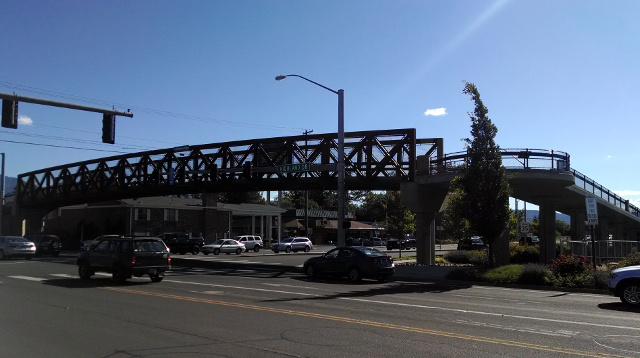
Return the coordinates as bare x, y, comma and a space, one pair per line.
281, 77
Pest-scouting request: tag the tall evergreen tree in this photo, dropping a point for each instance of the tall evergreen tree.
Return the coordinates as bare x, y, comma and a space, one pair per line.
484, 186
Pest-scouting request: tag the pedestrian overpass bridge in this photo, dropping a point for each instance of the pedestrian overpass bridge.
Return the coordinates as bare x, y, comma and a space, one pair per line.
374, 160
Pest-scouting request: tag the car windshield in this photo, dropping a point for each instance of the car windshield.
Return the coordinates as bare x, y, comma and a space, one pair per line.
289, 239
150, 246
369, 251
218, 242
17, 239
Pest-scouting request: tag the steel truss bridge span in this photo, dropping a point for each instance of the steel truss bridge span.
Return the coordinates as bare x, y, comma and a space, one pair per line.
374, 160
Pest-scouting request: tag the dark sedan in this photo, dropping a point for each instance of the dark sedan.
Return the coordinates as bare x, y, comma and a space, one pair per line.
355, 262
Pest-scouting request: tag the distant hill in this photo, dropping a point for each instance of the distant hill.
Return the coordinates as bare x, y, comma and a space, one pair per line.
535, 213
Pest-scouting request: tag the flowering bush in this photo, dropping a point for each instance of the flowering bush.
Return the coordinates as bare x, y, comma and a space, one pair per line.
569, 265
630, 260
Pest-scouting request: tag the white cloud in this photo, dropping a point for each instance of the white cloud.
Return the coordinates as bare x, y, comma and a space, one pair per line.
625, 193
27, 121
610, 157
436, 112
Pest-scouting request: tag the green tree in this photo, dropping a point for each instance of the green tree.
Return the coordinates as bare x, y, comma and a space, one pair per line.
250, 197
454, 222
483, 188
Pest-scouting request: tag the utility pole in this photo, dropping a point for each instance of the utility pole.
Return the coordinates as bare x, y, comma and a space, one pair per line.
306, 192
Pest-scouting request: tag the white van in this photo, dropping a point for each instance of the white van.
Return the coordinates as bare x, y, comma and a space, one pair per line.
251, 242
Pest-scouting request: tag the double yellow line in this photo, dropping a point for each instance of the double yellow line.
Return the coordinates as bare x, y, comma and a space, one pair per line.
375, 324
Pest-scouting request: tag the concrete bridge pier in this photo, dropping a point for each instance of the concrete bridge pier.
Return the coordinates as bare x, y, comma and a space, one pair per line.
578, 227
424, 202
30, 221
547, 231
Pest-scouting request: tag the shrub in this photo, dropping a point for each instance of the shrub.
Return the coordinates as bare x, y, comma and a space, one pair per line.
569, 265
525, 256
465, 274
504, 274
458, 257
535, 274
630, 260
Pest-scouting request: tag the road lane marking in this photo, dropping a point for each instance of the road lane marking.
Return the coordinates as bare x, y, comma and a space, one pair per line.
28, 278
458, 310
392, 326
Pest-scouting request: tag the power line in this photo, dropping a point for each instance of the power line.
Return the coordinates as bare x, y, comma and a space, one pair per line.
145, 109
62, 146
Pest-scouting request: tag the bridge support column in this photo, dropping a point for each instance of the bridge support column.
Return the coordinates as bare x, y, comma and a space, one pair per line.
426, 238
547, 231
578, 226
424, 202
602, 229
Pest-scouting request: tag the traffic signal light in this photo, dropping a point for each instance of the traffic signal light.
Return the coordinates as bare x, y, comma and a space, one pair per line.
9, 114
108, 128
246, 170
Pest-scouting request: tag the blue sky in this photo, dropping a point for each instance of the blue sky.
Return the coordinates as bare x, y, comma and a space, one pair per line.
558, 75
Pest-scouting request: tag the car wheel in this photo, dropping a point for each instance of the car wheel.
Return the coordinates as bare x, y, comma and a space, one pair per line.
238, 251
307, 249
631, 293
118, 274
157, 277
288, 249
256, 248
195, 250
84, 271
216, 251
310, 271
354, 274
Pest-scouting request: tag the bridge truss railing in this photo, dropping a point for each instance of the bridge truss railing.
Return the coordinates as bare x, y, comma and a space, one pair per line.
511, 159
537, 159
376, 160
584, 182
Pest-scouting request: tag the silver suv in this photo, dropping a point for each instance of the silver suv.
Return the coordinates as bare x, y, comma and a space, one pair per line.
251, 242
294, 244
625, 283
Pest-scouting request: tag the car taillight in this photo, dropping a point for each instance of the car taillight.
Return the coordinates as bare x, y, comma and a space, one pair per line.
169, 259
133, 260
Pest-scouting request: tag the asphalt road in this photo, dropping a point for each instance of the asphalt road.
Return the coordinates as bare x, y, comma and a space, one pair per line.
218, 308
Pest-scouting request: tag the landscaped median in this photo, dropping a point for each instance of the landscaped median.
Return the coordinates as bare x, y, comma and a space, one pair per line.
566, 271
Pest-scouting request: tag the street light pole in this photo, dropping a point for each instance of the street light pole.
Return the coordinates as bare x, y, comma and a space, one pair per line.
2, 196
340, 166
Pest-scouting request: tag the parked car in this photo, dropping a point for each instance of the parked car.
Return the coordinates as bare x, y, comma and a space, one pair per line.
471, 243
88, 244
530, 240
352, 262
46, 244
16, 246
294, 244
182, 243
394, 243
124, 257
251, 242
354, 241
625, 283
223, 245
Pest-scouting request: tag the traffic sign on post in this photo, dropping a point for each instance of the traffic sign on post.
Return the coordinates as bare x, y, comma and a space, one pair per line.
524, 227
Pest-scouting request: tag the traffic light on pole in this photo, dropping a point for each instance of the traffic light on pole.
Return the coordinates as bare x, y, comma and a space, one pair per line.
108, 128
9, 114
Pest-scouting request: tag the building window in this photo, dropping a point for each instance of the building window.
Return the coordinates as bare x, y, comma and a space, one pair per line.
170, 214
142, 214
